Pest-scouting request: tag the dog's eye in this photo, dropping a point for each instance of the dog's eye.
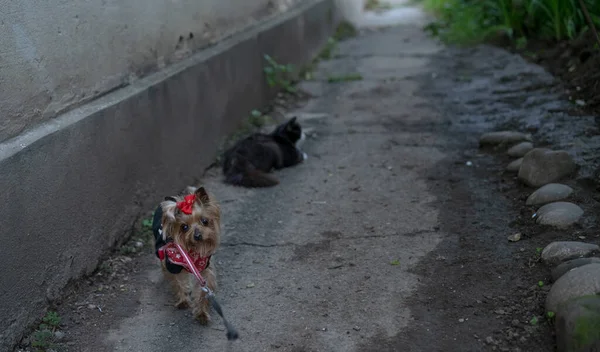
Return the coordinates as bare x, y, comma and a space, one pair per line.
184, 227
204, 221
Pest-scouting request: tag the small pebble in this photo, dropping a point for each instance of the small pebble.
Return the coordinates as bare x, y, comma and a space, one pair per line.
515, 238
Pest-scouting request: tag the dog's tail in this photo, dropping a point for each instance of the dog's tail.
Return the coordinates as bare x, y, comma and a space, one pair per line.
243, 173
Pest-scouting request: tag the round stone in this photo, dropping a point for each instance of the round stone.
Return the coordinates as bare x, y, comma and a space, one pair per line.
578, 282
578, 324
559, 214
503, 137
520, 149
549, 193
561, 251
567, 266
542, 166
515, 165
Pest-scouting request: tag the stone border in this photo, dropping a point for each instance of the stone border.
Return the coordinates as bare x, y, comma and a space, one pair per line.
573, 301
73, 188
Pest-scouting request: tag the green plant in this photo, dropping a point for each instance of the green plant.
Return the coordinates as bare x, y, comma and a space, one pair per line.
344, 31
534, 321
345, 78
51, 321
147, 224
395, 262
279, 75
328, 50
42, 339
469, 21
258, 119
541, 283
550, 315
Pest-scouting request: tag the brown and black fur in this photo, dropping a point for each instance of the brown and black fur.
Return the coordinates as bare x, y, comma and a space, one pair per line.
250, 160
199, 233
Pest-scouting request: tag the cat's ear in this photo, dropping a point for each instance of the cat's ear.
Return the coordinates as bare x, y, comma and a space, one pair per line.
202, 196
290, 123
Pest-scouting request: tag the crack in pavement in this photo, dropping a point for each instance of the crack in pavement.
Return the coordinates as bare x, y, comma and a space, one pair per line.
332, 239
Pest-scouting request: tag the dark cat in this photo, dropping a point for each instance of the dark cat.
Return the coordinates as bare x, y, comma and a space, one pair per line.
250, 160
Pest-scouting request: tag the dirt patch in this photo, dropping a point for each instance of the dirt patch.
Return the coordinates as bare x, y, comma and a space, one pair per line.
577, 63
480, 291
109, 294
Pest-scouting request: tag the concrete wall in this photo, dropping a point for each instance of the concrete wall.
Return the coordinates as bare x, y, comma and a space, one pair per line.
55, 54
72, 187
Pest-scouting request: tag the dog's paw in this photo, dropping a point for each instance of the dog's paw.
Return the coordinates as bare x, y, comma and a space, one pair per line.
182, 304
202, 317
304, 156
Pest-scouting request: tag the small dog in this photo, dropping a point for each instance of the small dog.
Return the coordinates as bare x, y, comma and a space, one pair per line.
193, 222
248, 162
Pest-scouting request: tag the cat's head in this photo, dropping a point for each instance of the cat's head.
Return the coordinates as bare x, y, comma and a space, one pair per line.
290, 130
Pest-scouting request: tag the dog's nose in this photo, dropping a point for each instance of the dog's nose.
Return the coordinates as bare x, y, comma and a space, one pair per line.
197, 235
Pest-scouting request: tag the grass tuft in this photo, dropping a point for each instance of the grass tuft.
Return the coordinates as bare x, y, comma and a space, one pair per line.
473, 21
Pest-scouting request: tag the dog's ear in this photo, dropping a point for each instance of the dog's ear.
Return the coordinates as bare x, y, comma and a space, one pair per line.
169, 209
189, 190
201, 196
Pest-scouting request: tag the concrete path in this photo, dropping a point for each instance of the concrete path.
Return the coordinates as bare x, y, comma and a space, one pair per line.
383, 240
321, 262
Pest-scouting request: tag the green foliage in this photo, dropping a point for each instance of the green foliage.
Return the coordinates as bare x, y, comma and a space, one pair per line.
472, 21
42, 339
344, 31
534, 321
279, 75
51, 321
345, 78
258, 119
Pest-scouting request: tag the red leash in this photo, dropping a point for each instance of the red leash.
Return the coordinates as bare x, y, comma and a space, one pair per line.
189, 265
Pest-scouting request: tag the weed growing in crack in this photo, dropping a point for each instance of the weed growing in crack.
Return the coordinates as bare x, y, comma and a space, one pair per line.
328, 50
534, 321
258, 119
345, 78
142, 238
43, 337
279, 75
344, 30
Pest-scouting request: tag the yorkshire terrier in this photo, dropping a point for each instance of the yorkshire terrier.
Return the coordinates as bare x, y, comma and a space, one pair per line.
194, 222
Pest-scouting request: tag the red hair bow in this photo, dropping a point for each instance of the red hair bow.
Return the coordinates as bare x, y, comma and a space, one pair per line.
187, 204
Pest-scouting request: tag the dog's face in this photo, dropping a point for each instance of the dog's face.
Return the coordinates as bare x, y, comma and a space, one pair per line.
197, 232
